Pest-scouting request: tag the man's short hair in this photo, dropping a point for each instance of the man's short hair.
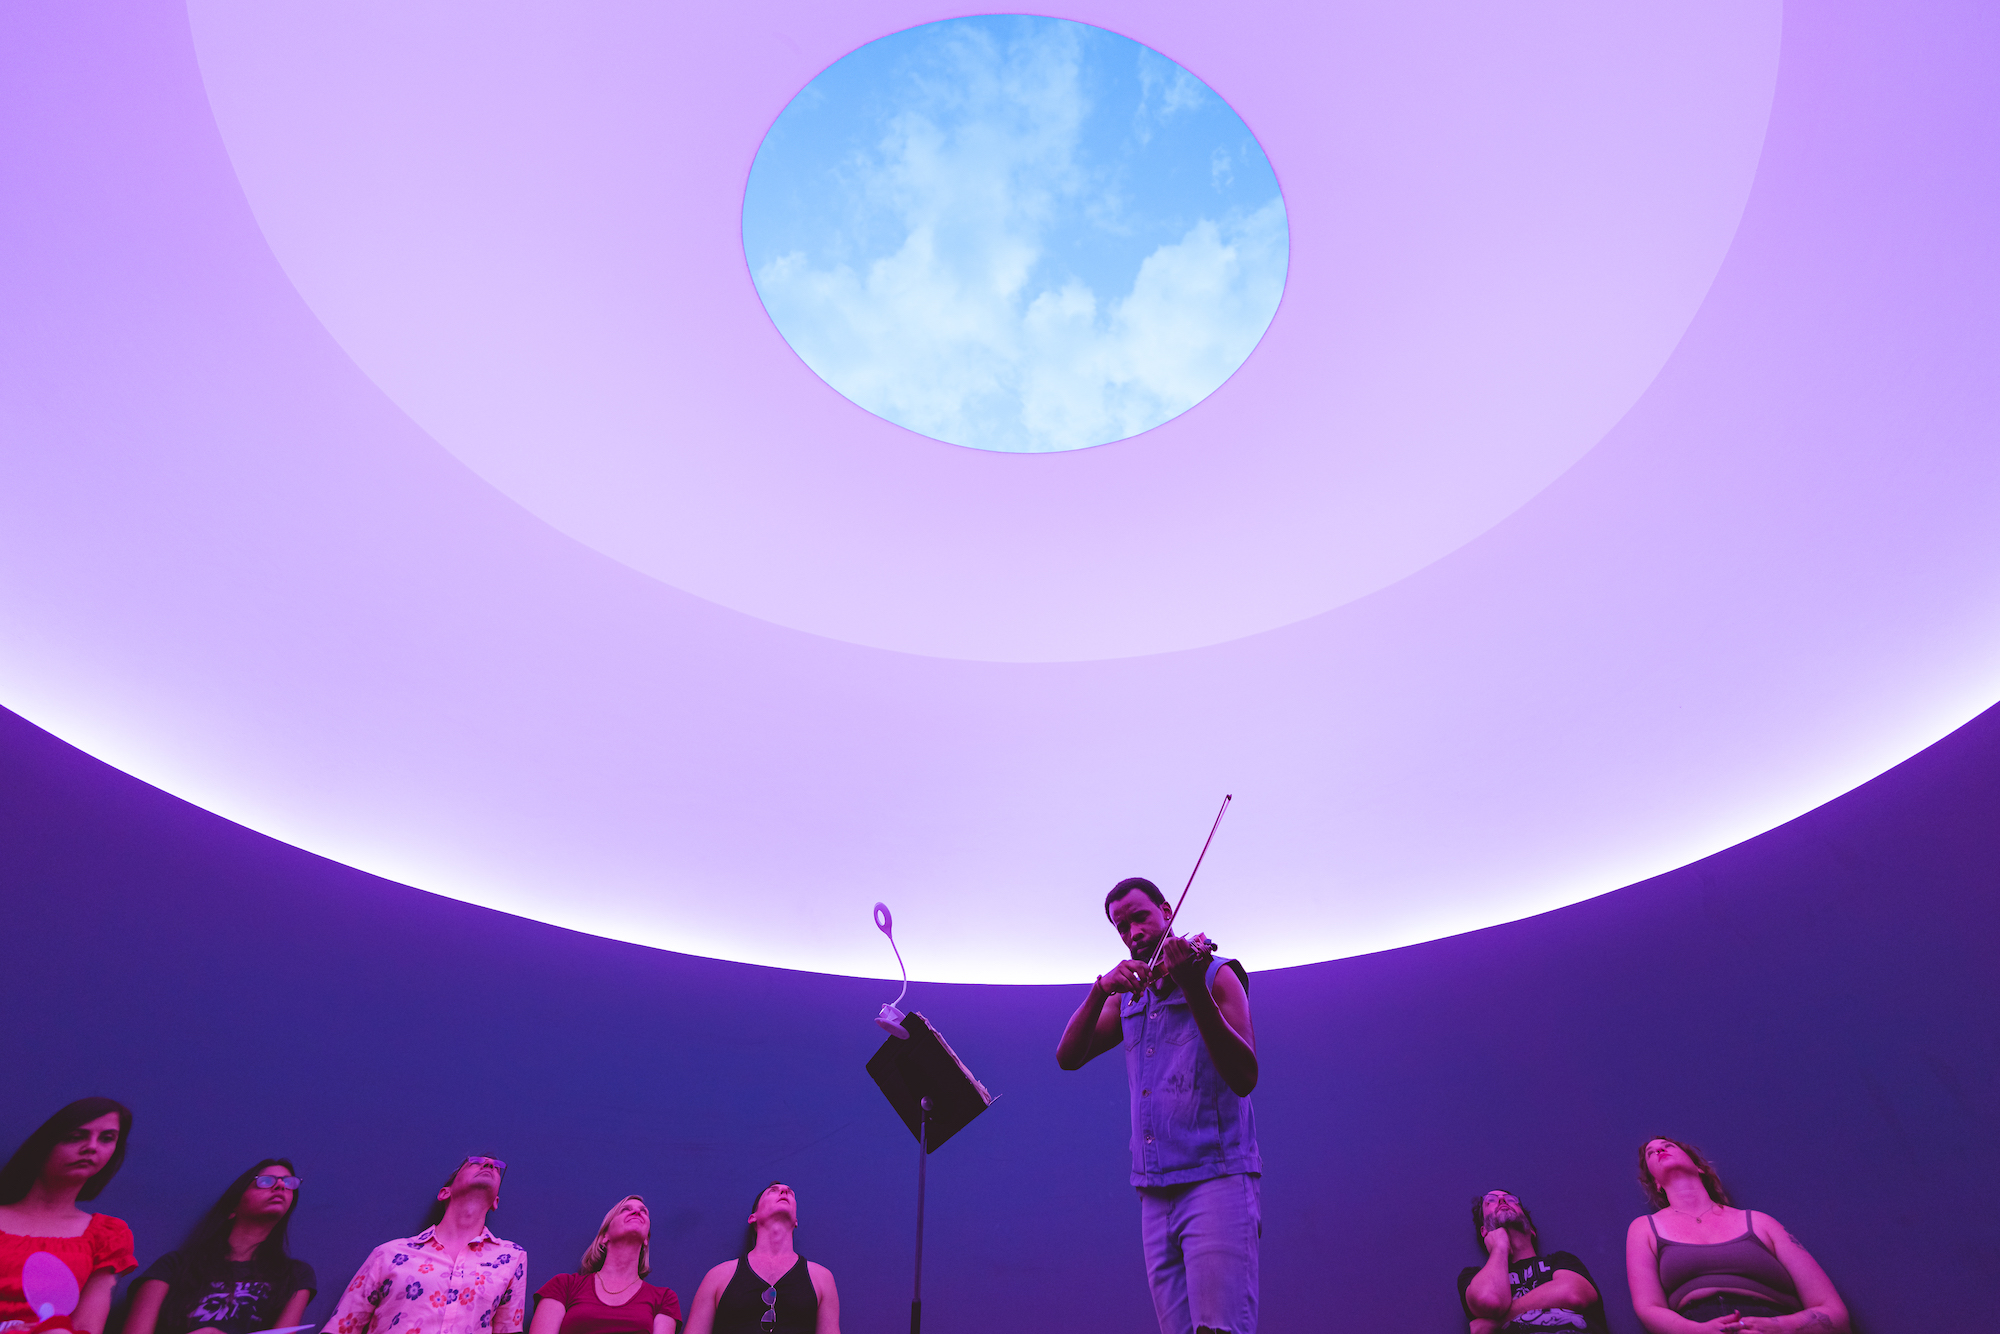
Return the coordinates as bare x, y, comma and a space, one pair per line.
1126, 886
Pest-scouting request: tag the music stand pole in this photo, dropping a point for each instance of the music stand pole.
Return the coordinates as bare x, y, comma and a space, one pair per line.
923, 1159
935, 1097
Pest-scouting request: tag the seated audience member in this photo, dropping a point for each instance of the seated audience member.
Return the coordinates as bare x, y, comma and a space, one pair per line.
1519, 1289
233, 1275
1698, 1263
454, 1277
770, 1288
609, 1294
72, 1157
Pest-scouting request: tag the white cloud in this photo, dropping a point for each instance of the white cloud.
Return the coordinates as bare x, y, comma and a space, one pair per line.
1164, 88
949, 334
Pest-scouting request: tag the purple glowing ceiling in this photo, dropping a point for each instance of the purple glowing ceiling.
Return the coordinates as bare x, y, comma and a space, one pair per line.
400, 461
1497, 239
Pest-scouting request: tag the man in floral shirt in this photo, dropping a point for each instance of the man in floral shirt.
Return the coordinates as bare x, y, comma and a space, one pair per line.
454, 1277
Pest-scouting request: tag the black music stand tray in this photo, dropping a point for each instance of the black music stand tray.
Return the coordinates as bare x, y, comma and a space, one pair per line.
937, 1097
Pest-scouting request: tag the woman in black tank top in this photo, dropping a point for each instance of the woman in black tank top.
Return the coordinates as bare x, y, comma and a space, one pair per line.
1700, 1263
770, 1288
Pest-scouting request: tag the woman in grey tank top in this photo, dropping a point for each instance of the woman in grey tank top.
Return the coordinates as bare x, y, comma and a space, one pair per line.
1699, 1264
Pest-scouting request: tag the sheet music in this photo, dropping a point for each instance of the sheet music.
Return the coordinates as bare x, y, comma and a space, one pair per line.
984, 1097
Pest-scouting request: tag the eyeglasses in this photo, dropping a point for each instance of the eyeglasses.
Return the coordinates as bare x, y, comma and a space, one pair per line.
267, 1181
481, 1160
770, 1316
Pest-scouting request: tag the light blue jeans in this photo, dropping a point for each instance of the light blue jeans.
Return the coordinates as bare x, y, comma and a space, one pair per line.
1201, 1253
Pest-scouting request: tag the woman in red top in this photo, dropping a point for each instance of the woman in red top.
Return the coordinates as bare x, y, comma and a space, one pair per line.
64, 1258
610, 1295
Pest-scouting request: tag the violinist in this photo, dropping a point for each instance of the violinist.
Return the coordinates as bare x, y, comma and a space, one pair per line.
1194, 1139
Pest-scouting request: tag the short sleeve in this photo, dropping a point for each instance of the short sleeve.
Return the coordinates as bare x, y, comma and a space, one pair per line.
1564, 1260
354, 1313
561, 1288
111, 1245
169, 1269
1465, 1277
666, 1303
511, 1315
302, 1279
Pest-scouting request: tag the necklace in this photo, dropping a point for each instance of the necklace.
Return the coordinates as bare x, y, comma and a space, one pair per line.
1697, 1217
613, 1292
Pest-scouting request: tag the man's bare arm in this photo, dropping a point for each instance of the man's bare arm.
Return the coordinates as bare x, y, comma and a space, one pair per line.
1489, 1294
1095, 1028
1222, 1017
1566, 1289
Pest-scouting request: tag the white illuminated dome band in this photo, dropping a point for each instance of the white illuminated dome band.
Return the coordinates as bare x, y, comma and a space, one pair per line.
429, 487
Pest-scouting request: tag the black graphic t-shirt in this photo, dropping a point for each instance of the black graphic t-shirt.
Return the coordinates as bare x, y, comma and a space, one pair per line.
1529, 1274
234, 1296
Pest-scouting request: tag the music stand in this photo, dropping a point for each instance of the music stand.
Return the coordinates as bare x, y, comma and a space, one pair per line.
937, 1097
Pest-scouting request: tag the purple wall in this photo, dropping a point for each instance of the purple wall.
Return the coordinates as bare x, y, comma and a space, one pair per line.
1814, 1006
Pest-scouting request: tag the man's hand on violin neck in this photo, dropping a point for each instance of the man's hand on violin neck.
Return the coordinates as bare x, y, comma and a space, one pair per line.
1181, 951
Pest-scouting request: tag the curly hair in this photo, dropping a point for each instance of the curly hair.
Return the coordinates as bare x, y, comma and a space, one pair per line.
1658, 1197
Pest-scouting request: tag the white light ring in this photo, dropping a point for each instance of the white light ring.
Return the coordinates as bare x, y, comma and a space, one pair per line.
526, 229
232, 568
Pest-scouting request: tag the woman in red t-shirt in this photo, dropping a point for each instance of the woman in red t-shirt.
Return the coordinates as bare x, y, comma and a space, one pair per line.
57, 1259
610, 1295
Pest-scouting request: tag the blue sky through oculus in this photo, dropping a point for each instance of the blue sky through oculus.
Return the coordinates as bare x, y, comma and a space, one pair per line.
1016, 233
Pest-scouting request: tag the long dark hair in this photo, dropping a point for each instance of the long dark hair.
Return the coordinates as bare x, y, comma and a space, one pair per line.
24, 1169
1710, 1179
207, 1244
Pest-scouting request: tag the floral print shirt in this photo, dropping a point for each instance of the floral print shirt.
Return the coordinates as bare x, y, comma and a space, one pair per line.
412, 1287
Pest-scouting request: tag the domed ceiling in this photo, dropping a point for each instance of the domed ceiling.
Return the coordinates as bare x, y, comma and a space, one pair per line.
405, 466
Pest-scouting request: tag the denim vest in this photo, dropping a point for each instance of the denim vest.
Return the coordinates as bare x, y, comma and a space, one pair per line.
1186, 1124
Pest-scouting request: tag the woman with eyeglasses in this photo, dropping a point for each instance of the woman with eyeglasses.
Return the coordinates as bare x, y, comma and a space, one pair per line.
57, 1259
1698, 1263
609, 1295
233, 1274
770, 1288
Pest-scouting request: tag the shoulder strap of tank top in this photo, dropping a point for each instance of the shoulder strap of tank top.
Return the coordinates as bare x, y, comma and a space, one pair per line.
1750, 1230
1655, 1226
801, 1273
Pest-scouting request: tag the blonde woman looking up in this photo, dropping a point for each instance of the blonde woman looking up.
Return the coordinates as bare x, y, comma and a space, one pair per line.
1698, 1263
609, 1293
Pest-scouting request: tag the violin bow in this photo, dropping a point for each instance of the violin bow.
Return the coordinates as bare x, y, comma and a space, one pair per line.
1226, 799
